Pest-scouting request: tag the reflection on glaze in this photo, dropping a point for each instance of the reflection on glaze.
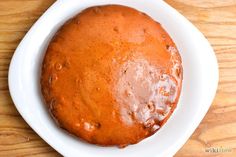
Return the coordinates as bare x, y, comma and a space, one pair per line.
145, 91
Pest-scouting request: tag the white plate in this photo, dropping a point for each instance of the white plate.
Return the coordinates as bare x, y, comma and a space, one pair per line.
199, 84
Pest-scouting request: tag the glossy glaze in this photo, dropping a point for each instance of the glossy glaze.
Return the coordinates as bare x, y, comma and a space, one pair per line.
111, 76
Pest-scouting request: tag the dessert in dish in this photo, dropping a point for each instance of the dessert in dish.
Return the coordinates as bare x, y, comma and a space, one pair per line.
111, 76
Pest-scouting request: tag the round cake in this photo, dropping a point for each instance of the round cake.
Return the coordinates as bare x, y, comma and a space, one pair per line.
111, 76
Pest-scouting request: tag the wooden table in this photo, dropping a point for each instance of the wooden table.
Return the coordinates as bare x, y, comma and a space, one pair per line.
215, 18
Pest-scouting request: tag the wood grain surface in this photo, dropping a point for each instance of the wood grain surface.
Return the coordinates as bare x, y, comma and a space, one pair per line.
217, 132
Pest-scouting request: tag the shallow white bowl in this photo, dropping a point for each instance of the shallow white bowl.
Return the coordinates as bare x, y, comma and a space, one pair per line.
199, 84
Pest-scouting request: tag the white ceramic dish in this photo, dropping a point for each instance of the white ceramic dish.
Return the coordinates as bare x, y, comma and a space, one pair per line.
199, 84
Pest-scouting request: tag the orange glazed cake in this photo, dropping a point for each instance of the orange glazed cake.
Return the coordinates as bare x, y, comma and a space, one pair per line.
111, 76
